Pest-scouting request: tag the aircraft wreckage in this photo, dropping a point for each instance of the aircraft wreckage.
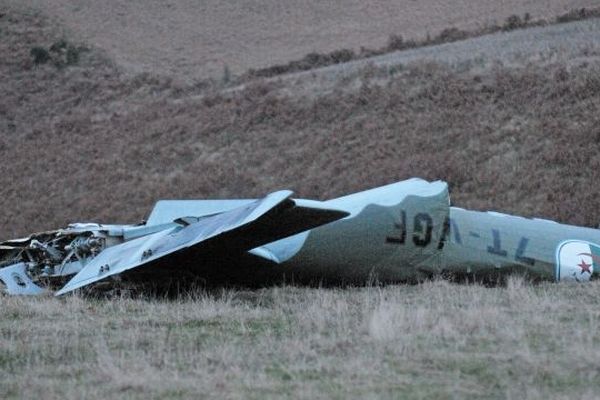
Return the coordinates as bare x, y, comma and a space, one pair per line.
401, 232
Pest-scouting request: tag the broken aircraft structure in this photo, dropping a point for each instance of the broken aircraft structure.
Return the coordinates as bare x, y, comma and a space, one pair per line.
406, 231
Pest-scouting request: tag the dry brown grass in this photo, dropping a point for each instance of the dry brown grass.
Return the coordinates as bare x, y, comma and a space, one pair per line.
88, 143
191, 39
399, 43
434, 340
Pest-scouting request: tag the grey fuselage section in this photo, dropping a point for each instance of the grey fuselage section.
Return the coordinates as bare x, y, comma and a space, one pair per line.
395, 240
421, 237
486, 244
403, 232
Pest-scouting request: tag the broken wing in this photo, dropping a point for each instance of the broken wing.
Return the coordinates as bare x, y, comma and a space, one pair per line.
266, 220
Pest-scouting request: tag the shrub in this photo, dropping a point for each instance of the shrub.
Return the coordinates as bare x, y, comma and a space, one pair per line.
59, 46
395, 42
72, 55
40, 55
61, 53
512, 22
340, 56
579, 14
451, 35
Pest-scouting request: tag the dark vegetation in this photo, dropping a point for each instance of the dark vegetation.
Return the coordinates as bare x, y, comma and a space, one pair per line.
89, 143
579, 14
397, 42
61, 54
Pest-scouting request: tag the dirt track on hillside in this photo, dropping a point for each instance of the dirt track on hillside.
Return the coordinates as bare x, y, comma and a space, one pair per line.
569, 43
194, 40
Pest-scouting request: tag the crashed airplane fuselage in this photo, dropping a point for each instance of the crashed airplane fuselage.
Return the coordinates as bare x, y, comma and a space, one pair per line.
401, 232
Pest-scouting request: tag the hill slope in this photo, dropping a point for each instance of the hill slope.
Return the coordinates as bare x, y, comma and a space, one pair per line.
191, 39
89, 142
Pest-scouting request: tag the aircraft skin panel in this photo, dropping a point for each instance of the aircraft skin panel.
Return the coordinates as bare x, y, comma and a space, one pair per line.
18, 282
388, 195
142, 251
166, 211
477, 244
381, 238
240, 229
481, 243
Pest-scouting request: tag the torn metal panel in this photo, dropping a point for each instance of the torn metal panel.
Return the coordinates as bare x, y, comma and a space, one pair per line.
166, 211
241, 229
17, 281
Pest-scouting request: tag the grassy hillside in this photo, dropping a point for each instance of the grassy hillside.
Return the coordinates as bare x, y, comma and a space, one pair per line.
435, 340
192, 39
84, 141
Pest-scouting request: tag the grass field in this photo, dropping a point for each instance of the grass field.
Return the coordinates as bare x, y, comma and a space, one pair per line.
190, 39
434, 340
509, 120
84, 142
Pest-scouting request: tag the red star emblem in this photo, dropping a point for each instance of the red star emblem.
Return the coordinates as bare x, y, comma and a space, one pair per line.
585, 267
